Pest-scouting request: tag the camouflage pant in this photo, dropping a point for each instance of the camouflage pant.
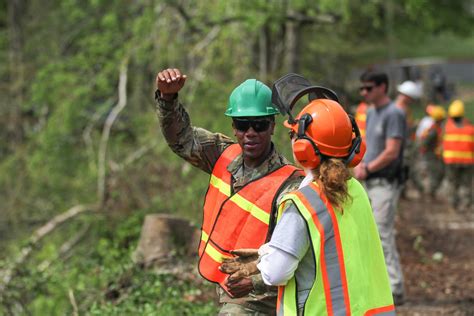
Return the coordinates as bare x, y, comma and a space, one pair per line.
460, 190
229, 309
418, 173
428, 173
436, 175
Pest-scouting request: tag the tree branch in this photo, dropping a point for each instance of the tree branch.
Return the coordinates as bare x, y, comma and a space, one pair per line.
122, 102
203, 21
86, 134
136, 155
72, 299
8, 273
65, 248
210, 37
319, 19
38, 235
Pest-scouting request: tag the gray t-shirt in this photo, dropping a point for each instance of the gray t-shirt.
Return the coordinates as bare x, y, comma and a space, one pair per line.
291, 235
384, 123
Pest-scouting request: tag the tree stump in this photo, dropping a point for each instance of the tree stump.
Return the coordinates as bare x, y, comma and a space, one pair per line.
165, 237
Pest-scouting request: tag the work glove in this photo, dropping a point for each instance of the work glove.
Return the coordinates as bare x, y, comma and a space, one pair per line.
242, 266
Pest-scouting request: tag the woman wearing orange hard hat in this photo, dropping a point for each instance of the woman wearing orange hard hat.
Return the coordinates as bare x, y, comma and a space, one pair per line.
325, 253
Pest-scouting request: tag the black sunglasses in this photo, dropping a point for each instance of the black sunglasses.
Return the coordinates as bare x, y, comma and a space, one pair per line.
367, 88
258, 125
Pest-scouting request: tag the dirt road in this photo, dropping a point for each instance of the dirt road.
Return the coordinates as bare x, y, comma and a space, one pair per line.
437, 253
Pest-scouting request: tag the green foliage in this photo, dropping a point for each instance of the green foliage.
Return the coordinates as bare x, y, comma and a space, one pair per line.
152, 294
103, 279
59, 71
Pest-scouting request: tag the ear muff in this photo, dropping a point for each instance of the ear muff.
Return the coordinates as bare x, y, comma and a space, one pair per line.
304, 149
357, 158
304, 152
357, 151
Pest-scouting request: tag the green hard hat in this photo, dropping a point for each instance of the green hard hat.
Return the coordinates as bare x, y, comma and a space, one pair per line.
251, 98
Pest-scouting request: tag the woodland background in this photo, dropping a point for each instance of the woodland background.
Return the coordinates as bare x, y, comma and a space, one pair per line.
81, 149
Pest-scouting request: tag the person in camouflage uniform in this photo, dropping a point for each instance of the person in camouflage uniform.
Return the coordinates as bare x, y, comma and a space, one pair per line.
430, 164
458, 156
409, 93
202, 149
420, 168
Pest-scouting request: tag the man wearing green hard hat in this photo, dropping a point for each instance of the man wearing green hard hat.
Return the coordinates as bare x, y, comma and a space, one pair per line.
247, 179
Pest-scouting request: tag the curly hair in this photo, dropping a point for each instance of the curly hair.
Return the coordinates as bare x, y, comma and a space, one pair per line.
333, 174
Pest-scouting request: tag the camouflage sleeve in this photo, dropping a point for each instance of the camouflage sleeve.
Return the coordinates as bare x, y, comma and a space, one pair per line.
430, 140
259, 287
196, 145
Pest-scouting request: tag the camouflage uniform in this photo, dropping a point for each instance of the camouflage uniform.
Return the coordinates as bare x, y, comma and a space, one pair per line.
432, 160
202, 148
460, 189
409, 156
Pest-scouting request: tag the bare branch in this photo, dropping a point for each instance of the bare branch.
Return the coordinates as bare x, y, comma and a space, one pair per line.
199, 73
65, 248
203, 21
136, 155
319, 19
122, 102
211, 36
86, 134
185, 16
38, 235
72, 299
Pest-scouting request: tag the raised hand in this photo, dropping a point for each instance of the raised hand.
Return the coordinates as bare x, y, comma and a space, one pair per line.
169, 82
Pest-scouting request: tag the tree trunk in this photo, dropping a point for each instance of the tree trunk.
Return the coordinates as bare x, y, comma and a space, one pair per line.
291, 45
263, 53
16, 10
164, 237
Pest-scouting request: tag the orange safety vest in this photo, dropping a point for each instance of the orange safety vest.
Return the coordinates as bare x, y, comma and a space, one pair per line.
361, 118
458, 143
234, 220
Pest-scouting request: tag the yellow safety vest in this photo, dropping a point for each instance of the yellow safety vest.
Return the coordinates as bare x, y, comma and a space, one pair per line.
351, 276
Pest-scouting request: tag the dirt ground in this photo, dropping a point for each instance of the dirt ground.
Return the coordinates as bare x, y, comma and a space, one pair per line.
436, 251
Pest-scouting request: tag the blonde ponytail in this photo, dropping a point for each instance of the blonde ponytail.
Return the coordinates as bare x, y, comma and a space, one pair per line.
333, 175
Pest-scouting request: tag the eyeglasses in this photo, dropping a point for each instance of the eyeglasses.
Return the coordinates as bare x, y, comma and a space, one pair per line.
258, 125
367, 88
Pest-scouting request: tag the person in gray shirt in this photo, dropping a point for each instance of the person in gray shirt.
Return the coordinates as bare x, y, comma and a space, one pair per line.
382, 168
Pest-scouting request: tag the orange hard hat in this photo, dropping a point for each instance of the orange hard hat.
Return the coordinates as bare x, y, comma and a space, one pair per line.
437, 112
324, 128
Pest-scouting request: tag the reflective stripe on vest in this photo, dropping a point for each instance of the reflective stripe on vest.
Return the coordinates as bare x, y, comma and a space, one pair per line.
235, 220
458, 143
361, 117
330, 294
